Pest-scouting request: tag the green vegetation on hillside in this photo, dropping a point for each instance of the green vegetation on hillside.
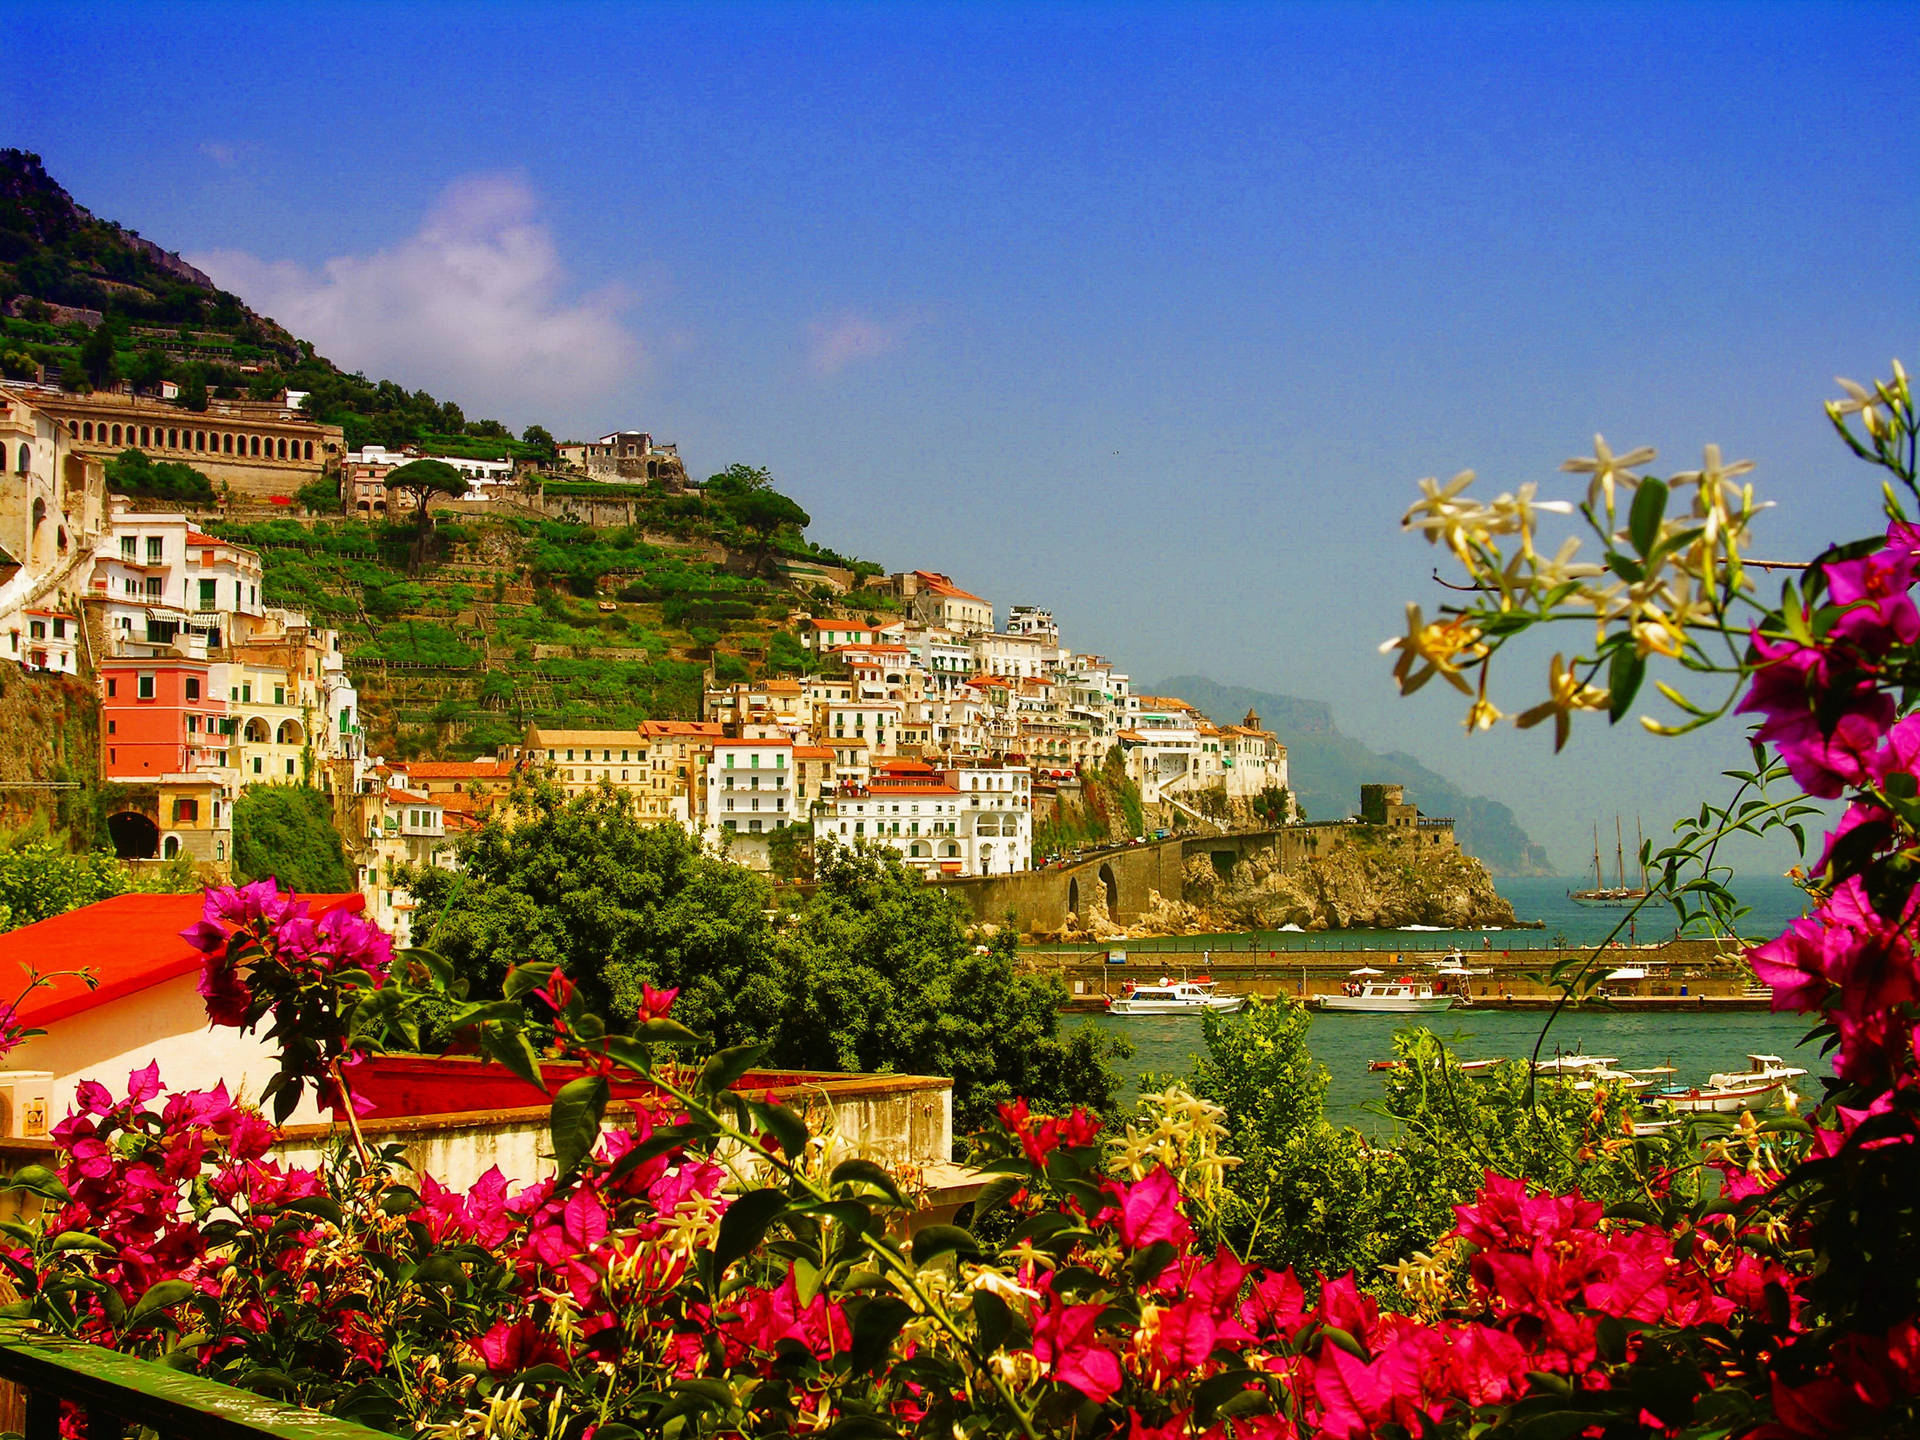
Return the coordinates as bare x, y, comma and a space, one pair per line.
133, 472
1109, 809
286, 831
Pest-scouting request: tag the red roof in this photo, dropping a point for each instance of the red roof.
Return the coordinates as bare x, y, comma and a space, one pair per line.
397, 796
129, 943
194, 537
879, 789
454, 769
812, 752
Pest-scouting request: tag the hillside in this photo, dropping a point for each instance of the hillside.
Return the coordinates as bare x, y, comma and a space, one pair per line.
85, 302
1327, 769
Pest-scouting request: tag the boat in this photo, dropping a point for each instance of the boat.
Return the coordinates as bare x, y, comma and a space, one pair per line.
1388, 997
1567, 1065
1174, 997
1618, 893
1764, 1084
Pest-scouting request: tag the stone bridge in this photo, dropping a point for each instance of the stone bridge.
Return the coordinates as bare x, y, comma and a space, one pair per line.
1126, 876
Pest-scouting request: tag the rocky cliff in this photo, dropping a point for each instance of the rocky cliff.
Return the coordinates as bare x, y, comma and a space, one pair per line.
1371, 879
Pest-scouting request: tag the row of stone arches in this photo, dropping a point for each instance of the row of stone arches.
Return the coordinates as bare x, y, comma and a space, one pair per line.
199, 442
258, 731
1109, 886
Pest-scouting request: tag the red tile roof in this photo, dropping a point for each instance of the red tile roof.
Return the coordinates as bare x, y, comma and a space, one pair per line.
454, 769
129, 943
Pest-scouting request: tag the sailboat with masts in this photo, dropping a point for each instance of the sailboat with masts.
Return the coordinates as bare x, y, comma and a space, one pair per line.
1618, 893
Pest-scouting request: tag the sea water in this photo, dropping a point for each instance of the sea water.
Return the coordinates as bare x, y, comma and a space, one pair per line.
1696, 1045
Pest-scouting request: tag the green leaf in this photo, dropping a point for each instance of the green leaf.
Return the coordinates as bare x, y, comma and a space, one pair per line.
744, 1226
669, 1032
153, 1305
400, 1200
1649, 508
322, 1207
1624, 674
875, 1328
865, 1172
999, 1190
992, 1319
511, 1047
724, 1067
787, 1128
39, 1180
575, 1121
80, 1240
523, 980
932, 1241
635, 1055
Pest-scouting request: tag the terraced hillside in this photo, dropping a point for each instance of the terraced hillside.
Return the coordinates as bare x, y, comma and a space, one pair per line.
517, 620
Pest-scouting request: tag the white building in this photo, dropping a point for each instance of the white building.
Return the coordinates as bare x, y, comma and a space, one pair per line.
156, 577
750, 794
962, 821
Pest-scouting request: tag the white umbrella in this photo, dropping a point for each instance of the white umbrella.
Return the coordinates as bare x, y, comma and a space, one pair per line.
1627, 972
1366, 970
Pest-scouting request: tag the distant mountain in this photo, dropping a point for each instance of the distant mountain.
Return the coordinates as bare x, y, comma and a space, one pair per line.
1328, 769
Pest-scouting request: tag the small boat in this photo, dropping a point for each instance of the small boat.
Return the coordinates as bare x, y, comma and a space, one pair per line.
1174, 997
1761, 1086
1562, 1065
1759, 1068
1388, 997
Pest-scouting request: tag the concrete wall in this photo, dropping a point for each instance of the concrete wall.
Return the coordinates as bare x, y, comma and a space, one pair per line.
904, 1122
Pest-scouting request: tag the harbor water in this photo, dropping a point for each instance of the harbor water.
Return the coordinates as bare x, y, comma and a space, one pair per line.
1694, 1044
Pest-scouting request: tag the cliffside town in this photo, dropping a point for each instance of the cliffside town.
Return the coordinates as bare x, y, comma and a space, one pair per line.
585, 612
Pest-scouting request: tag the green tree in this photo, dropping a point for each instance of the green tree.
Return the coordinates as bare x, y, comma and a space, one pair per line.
764, 514
614, 900
542, 444
148, 367
423, 480
737, 480
134, 472
881, 972
42, 879
1323, 1197
96, 357
193, 390
287, 831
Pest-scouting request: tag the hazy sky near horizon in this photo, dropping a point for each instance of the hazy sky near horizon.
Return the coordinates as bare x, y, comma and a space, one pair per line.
1151, 314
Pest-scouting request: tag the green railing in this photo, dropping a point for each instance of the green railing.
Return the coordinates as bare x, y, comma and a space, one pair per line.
119, 1393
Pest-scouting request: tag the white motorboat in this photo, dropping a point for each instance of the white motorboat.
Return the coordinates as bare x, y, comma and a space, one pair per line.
1388, 997
1760, 1068
1573, 1065
1719, 1099
1764, 1084
1174, 997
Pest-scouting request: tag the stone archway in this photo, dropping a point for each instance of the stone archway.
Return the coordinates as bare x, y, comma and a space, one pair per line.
1073, 896
1112, 887
135, 836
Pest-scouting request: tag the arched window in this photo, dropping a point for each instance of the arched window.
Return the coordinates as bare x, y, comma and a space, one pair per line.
283, 449
39, 513
86, 430
226, 444
173, 439
146, 436
253, 444
62, 539
116, 434
309, 450
26, 457
171, 848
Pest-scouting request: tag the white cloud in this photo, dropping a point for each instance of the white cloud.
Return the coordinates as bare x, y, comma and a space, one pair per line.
835, 342
472, 307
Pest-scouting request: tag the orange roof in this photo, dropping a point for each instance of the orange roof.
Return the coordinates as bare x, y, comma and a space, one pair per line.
689, 729
880, 788
398, 796
841, 625
129, 943
782, 687
454, 769
902, 765
194, 537
941, 585
812, 752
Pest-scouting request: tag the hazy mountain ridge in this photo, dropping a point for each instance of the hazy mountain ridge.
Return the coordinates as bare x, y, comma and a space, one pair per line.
1328, 768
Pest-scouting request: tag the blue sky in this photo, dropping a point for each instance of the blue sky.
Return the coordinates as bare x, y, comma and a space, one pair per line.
1154, 314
